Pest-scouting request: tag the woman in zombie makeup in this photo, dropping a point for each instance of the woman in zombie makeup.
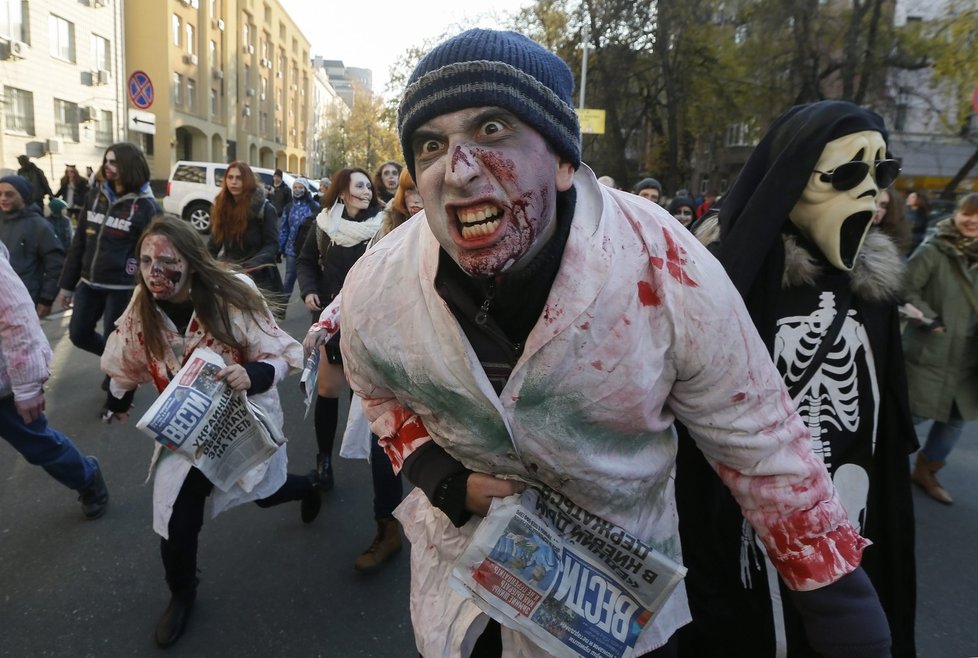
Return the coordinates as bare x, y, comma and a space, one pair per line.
185, 299
350, 218
245, 231
386, 180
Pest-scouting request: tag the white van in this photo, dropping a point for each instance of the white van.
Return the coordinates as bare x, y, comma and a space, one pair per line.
192, 186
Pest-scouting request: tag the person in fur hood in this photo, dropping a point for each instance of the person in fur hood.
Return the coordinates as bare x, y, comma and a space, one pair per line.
795, 235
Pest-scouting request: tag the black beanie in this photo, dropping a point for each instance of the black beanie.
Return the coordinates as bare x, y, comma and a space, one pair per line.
491, 68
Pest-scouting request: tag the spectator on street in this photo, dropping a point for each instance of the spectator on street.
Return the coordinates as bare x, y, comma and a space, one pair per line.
918, 214
73, 191
38, 181
648, 188
60, 221
939, 346
34, 250
297, 216
25, 359
279, 194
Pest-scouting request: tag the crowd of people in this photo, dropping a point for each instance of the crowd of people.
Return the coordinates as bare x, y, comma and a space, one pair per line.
473, 337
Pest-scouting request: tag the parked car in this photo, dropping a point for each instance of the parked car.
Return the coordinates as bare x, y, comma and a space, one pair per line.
192, 186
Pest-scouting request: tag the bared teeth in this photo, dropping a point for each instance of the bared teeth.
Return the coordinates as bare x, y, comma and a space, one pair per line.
472, 231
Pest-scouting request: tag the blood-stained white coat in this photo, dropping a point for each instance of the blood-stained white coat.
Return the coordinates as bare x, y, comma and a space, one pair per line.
641, 326
125, 361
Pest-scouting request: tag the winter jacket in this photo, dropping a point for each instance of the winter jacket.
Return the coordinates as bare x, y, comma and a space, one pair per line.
78, 198
296, 217
125, 361
103, 250
24, 350
36, 253
38, 181
641, 327
942, 368
322, 265
259, 246
279, 196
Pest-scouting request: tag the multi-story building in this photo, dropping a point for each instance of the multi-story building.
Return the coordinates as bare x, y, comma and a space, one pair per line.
232, 81
932, 142
326, 106
61, 82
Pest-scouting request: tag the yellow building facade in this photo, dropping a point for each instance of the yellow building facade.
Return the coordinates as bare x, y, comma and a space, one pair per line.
229, 80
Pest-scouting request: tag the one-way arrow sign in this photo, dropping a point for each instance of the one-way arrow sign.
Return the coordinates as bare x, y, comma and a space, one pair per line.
142, 122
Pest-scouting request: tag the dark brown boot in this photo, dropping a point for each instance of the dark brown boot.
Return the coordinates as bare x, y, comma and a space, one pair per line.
386, 545
923, 475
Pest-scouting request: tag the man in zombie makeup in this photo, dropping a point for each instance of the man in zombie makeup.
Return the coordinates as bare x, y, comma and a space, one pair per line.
795, 235
532, 326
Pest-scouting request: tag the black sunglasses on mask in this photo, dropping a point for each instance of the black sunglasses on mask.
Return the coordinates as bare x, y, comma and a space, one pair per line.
849, 175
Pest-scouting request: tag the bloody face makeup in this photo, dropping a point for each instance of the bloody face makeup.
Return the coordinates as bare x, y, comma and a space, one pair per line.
413, 202
163, 269
490, 183
109, 168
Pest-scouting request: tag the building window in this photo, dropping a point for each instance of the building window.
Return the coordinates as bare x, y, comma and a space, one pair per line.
247, 76
102, 53
62, 38
212, 54
177, 89
66, 119
12, 23
214, 103
177, 25
19, 111
191, 94
191, 41
103, 129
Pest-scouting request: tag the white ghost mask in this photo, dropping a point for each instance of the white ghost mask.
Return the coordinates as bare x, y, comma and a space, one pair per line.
835, 210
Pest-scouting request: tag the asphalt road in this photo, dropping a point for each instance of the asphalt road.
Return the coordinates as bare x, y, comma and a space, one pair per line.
271, 586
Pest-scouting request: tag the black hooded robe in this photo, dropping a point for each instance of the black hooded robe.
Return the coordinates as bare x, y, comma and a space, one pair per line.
737, 601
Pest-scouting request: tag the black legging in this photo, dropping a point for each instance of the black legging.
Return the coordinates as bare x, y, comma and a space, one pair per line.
179, 552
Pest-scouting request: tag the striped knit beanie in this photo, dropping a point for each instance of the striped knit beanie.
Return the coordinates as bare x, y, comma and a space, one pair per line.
491, 68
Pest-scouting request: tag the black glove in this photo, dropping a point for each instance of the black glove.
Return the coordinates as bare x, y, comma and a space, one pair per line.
845, 619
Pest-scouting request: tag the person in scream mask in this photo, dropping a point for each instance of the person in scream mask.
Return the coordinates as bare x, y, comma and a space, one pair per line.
185, 299
796, 238
532, 326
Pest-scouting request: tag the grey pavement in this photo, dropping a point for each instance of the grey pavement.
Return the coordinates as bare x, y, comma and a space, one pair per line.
271, 586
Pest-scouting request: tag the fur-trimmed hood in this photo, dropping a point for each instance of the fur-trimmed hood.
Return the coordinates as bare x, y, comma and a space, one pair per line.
877, 274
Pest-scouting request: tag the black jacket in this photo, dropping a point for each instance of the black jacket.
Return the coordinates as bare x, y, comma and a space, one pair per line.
36, 253
103, 251
321, 266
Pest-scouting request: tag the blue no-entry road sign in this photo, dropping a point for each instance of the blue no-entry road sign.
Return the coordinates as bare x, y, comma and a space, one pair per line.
140, 90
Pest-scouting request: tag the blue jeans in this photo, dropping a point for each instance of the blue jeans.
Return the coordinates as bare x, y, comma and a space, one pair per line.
942, 437
46, 447
290, 277
89, 304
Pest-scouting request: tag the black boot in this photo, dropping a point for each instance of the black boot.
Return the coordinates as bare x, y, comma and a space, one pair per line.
174, 620
324, 467
95, 497
312, 501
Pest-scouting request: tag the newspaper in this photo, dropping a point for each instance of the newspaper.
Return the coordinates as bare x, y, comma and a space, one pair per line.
308, 379
203, 420
572, 582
